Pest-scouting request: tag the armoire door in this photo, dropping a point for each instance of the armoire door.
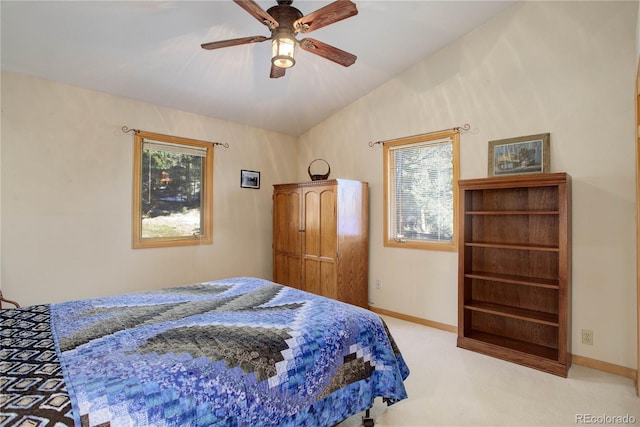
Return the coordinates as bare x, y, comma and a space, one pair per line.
319, 244
287, 240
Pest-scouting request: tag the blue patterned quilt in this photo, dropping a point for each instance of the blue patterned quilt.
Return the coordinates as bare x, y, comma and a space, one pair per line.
235, 352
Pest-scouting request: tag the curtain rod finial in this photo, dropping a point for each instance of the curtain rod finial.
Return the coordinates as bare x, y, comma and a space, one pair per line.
127, 130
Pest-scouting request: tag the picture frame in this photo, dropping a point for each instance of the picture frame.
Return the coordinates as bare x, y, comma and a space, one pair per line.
521, 155
249, 179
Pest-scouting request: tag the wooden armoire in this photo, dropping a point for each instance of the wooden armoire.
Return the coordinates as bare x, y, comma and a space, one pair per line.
321, 240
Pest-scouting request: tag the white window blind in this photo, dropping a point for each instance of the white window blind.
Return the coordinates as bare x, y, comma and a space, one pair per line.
174, 148
421, 179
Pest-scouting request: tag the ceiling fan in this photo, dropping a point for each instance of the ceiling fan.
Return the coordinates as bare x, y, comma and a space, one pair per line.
285, 22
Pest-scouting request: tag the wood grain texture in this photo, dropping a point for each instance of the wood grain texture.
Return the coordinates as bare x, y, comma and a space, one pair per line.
333, 231
514, 269
287, 241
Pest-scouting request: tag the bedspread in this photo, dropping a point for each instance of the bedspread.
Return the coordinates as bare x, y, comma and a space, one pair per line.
235, 352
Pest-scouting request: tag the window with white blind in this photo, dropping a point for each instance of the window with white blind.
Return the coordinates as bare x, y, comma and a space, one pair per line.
421, 175
173, 191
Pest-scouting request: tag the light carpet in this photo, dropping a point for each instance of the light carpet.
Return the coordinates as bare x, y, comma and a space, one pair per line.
449, 386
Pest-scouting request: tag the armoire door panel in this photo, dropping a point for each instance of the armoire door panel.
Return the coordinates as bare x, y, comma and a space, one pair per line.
328, 286
311, 219
293, 272
286, 213
286, 269
287, 244
328, 226
311, 276
280, 222
279, 267
293, 218
320, 222
319, 276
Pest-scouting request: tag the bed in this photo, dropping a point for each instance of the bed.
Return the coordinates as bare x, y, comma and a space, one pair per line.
233, 352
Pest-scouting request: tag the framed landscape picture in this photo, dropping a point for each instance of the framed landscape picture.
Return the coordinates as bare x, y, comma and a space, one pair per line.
521, 155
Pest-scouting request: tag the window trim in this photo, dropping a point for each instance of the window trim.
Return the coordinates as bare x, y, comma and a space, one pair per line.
420, 139
206, 194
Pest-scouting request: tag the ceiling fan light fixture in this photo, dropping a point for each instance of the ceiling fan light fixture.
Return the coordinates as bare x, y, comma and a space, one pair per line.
282, 49
285, 22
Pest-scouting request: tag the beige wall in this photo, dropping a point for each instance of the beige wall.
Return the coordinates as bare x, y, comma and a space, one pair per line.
566, 68
66, 190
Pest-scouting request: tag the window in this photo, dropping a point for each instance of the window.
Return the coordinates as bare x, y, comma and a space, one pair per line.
420, 191
172, 191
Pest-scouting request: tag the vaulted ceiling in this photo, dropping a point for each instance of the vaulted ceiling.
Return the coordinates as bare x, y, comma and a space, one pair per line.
150, 51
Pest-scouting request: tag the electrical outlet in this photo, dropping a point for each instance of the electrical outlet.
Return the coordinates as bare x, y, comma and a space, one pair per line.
587, 337
377, 284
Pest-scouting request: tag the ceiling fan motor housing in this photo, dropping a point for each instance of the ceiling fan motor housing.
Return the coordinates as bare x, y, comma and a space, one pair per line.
285, 15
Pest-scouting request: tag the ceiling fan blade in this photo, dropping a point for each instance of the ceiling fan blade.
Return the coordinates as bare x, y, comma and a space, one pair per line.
257, 12
276, 72
233, 42
328, 52
333, 12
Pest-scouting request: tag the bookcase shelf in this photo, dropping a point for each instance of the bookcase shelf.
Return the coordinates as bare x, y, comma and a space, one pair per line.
516, 280
524, 350
513, 312
512, 213
524, 247
514, 269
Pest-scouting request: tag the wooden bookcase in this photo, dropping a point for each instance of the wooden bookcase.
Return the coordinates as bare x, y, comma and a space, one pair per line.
514, 269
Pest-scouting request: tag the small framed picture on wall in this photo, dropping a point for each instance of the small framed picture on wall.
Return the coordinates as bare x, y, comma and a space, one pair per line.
521, 155
249, 179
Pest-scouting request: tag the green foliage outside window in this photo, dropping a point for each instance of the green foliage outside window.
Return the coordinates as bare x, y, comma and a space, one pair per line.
424, 193
420, 191
171, 190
